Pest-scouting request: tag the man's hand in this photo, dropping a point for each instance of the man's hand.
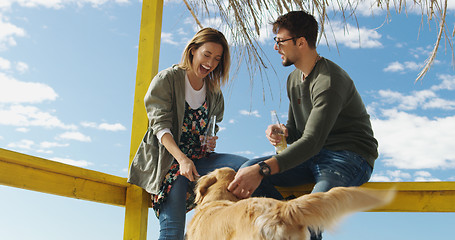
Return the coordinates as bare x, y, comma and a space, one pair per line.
272, 133
245, 182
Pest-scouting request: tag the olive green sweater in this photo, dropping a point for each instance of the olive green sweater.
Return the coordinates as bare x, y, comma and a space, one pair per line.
325, 111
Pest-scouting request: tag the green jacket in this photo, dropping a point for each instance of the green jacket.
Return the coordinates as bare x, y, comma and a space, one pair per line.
325, 111
165, 105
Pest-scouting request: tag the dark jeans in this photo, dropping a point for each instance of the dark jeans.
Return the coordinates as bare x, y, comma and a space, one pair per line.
327, 169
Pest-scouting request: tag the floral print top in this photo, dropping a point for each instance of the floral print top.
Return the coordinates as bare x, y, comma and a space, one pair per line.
194, 125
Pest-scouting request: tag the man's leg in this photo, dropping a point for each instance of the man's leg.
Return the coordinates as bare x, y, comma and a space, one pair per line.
336, 169
339, 169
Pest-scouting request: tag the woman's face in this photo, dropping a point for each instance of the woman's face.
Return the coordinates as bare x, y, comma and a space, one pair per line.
206, 58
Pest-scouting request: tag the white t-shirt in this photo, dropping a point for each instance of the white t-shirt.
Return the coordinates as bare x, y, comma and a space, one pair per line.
194, 98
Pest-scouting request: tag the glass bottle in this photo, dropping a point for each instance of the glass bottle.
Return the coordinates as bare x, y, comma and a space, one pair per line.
282, 144
210, 132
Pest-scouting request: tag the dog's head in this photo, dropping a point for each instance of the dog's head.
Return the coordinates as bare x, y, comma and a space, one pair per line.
213, 186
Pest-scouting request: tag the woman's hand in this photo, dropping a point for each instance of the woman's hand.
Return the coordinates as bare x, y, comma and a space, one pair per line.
188, 169
211, 142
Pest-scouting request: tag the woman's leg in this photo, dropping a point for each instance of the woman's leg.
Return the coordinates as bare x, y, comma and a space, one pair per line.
173, 211
218, 160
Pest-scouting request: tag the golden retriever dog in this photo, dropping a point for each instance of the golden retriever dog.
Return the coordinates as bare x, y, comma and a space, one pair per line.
221, 215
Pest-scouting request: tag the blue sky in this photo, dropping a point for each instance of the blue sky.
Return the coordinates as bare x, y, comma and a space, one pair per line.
67, 75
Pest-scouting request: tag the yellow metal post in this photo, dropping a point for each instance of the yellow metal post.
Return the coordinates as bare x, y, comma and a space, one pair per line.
147, 66
137, 200
136, 213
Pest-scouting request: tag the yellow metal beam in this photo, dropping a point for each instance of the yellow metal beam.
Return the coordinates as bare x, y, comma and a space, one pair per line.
38, 174
137, 200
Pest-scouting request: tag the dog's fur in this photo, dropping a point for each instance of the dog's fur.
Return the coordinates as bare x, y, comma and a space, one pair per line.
221, 215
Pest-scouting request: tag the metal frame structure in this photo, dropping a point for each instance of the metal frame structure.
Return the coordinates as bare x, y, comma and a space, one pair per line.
38, 174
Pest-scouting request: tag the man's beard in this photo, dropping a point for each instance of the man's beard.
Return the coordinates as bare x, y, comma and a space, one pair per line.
286, 62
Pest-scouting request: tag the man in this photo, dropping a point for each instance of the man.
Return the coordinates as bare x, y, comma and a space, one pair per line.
328, 128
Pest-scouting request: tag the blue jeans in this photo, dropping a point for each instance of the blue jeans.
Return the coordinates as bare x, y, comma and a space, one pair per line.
327, 169
173, 210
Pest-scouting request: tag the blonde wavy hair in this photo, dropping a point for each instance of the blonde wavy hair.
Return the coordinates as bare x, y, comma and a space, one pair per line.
220, 75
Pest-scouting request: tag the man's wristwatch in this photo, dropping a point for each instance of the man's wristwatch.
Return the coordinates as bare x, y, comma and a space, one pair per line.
264, 169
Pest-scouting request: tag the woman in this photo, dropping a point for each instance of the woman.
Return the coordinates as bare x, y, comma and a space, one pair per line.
179, 102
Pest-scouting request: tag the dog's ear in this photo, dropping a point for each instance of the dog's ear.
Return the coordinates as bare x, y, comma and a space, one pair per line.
202, 185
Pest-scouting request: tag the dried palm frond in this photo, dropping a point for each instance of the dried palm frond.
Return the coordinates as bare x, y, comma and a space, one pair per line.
244, 19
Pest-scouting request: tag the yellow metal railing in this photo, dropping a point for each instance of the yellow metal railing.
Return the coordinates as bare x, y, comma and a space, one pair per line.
38, 174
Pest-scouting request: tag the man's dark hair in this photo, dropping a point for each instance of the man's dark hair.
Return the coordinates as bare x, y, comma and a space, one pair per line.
299, 24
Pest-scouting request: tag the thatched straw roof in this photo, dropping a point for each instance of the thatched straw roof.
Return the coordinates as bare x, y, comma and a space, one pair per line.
244, 19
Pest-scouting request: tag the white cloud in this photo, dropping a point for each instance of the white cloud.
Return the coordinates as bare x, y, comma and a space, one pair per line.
23, 144
15, 91
74, 136
254, 113
89, 124
352, 36
27, 116
112, 127
394, 67
448, 83
406, 102
21, 67
47, 144
47, 151
23, 130
391, 176
181, 31
379, 178
400, 176
402, 67
8, 33
77, 163
421, 51
424, 99
409, 141
244, 153
57, 4
369, 8
5, 64
105, 126
30, 145
424, 176
439, 103
168, 38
